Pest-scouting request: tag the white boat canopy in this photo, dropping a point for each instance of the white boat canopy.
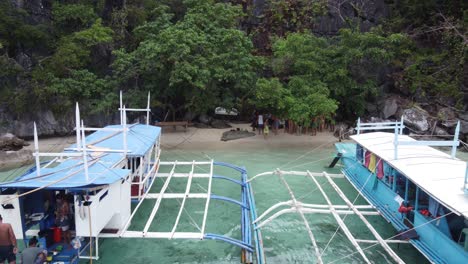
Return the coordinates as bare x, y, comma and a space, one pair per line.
435, 172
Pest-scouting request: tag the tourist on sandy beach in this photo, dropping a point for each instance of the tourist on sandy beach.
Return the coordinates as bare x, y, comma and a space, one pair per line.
266, 129
275, 124
253, 119
260, 123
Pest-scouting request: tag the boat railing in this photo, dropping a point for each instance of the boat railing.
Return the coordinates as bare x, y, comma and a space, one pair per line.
465, 183
123, 109
434, 143
394, 125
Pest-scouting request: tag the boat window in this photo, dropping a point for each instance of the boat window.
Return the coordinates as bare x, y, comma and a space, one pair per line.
359, 153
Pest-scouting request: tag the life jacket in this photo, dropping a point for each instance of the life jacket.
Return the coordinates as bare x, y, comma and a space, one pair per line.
425, 212
405, 209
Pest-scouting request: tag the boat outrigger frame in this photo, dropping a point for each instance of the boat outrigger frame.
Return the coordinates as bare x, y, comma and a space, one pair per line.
296, 206
247, 208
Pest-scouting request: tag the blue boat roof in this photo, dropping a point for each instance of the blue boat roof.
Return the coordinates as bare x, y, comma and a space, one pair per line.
99, 173
71, 173
140, 139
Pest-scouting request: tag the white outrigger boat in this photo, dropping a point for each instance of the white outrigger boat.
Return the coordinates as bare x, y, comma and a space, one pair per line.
99, 177
421, 191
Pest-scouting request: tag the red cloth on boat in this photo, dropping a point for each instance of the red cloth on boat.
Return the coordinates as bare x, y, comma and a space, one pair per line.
380, 169
367, 156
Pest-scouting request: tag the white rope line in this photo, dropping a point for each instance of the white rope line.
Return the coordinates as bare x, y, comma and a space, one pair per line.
392, 237
306, 223
361, 216
194, 224
340, 222
354, 201
307, 163
312, 150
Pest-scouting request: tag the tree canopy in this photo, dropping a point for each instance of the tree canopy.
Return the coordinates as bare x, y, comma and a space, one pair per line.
195, 55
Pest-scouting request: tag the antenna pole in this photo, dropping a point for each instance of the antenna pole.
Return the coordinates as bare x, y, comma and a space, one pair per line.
148, 109
395, 142
77, 128
358, 125
455, 140
36, 151
120, 108
125, 130
402, 125
85, 156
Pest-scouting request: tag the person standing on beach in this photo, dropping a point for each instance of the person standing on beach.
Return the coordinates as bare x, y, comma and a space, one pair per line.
8, 247
266, 130
260, 124
275, 124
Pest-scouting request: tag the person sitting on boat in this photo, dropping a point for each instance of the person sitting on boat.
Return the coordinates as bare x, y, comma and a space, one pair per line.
63, 220
33, 254
405, 209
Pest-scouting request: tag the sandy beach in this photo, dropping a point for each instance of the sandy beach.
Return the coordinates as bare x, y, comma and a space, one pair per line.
210, 138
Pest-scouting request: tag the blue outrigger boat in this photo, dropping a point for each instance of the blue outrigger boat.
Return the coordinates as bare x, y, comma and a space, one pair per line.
421, 191
100, 176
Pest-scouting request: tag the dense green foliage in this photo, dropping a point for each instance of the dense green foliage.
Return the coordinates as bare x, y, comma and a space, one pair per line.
436, 68
196, 63
194, 55
343, 68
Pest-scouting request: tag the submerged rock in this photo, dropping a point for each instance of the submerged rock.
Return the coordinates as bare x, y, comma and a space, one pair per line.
236, 134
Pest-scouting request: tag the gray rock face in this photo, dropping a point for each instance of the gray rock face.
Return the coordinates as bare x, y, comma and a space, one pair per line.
24, 60
366, 13
463, 127
216, 123
390, 107
440, 132
204, 119
236, 134
9, 142
11, 159
47, 124
416, 118
39, 10
447, 117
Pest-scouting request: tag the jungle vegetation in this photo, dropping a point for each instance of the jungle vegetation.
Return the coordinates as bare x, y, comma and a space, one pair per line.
194, 55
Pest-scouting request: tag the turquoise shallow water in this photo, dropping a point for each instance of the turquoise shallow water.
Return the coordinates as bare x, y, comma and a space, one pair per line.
285, 239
